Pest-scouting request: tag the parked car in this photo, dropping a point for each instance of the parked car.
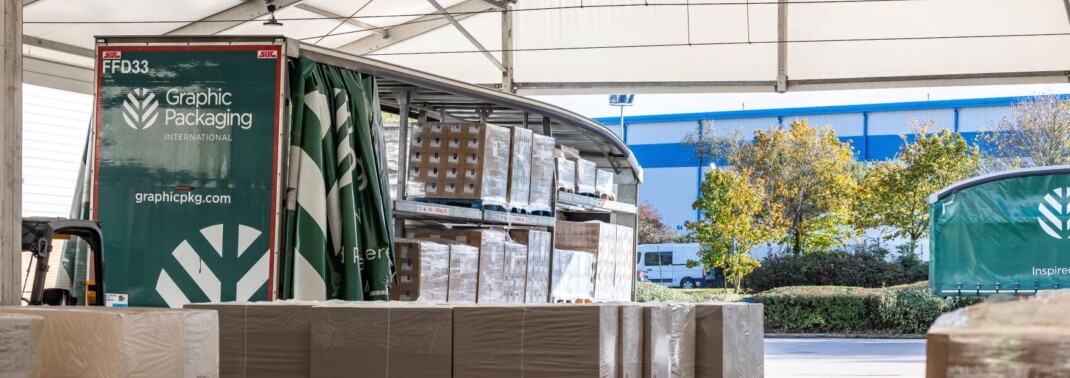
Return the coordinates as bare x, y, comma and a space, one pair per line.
666, 265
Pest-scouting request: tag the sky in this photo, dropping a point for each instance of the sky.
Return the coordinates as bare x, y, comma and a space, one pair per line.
647, 104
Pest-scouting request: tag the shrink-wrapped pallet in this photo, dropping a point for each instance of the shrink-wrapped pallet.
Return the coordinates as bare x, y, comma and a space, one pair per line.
669, 340
572, 278
537, 286
729, 340
604, 185
520, 168
542, 173
98, 342
422, 269
630, 349
382, 340
263, 339
516, 270
566, 175
586, 177
1027, 338
464, 273
535, 341
20, 345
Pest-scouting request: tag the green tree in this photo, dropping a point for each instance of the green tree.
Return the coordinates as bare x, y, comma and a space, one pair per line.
807, 174
733, 219
651, 228
1036, 134
894, 194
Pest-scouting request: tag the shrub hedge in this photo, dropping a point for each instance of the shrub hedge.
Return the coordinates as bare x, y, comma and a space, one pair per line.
905, 309
860, 268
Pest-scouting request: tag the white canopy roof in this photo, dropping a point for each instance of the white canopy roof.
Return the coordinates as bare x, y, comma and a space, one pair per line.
602, 46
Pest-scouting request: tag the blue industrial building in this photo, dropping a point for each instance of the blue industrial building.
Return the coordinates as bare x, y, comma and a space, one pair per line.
673, 174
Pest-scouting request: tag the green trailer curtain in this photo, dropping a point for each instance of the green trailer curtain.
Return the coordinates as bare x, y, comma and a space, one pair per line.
338, 237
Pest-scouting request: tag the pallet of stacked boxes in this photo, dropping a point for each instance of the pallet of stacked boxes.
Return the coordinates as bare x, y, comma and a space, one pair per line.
605, 186
519, 195
611, 245
542, 175
537, 282
422, 269
566, 158
572, 276
459, 163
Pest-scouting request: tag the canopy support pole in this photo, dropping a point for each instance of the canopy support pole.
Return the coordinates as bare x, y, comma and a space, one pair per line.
10, 153
782, 47
507, 49
466, 34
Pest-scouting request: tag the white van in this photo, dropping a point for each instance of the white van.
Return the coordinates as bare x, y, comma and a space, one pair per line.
666, 265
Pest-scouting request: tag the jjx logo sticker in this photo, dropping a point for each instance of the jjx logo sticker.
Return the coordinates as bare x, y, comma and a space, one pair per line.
1053, 210
200, 264
140, 108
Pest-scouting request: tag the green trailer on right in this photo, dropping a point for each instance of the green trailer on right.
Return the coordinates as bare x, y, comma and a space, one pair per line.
1007, 232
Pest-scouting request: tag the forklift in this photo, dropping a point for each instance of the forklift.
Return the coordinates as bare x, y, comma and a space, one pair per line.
37, 237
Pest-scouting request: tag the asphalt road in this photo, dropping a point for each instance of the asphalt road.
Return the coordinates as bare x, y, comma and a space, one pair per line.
844, 358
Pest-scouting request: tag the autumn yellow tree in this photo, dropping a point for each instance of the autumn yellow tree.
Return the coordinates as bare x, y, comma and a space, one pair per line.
894, 194
733, 218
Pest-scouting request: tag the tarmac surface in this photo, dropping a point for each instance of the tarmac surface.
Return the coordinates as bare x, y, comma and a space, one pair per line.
844, 358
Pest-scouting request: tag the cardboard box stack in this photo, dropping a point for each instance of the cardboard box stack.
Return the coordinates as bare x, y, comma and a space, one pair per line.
423, 270
612, 246
516, 271
572, 276
382, 340
520, 168
537, 283
459, 161
566, 158
20, 345
542, 173
630, 349
669, 340
95, 342
1025, 338
262, 339
464, 273
605, 187
535, 341
729, 340
586, 177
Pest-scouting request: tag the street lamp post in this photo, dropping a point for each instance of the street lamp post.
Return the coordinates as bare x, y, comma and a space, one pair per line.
621, 100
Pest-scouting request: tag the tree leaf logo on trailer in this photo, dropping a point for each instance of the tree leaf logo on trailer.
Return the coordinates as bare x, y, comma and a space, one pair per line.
201, 257
140, 108
1053, 210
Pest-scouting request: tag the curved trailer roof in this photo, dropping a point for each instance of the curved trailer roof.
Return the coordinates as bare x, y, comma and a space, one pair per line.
440, 98
997, 176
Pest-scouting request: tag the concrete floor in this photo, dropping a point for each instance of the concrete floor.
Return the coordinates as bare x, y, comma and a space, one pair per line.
844, 358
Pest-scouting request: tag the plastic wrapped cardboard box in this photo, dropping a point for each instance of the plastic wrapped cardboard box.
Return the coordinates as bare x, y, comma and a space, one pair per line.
492, 254
586, 177
487, 157
604, 185
200, 330
537, 286
566, 175
520, 168
464, 273
20, 345
1029, 338
516, 271
382, 340
88, 342
572, 277
729, 340
669, 341
535, 341
542, 173
422, 269
263, 339
630, 348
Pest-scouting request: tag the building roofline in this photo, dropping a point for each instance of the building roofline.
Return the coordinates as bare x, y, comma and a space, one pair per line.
819, 110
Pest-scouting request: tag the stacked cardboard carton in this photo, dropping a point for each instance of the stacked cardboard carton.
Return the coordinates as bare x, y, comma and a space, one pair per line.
566, 168
572, 277
520, 168
381, 340
267, 339
604, 185
464, 273
729, 340
423, 270
459, 161
537, 282
20, 345
586, 177
1026, 338
612, 246
535, 341
96, 342
542, 173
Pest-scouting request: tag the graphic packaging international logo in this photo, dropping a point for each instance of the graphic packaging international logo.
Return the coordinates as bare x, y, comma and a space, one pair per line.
204, 258
140, 108
1053, 210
